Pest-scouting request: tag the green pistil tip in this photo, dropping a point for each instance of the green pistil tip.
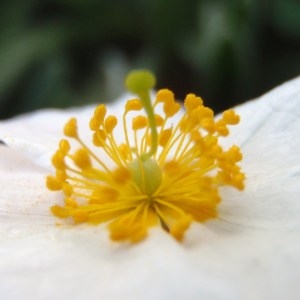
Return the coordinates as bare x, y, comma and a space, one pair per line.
140, 81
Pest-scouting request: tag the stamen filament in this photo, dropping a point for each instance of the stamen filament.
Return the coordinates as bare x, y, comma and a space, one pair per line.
169, 205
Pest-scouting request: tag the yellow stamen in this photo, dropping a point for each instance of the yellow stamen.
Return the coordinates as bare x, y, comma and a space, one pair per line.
70, 129
166, 170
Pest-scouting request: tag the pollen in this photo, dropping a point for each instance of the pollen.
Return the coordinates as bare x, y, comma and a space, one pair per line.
159, 163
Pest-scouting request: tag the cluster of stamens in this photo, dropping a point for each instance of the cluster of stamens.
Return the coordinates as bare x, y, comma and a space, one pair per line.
166, 169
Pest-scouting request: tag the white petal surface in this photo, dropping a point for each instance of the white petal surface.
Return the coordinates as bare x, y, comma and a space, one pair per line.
24, 200
80, 263
250, 252
269, 138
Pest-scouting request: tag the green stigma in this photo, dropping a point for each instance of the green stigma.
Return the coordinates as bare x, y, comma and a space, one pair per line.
140, 82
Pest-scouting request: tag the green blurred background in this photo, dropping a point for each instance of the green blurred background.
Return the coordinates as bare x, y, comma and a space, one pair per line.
72, 52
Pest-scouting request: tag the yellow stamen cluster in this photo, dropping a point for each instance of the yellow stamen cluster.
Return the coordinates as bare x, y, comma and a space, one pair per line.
166, 170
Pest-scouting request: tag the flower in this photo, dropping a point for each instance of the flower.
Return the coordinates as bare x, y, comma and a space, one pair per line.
251, 251
161, 172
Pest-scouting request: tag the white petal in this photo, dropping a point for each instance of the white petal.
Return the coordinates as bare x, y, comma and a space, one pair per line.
24, 200
79, 264
270, 142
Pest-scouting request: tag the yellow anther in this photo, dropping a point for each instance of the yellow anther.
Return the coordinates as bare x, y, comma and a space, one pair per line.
58, 160
82, 159
233, 155
171, 167
139, 122
164, 95
67, 189
53, 183
70, 202
195, 118
61, 175
94, 124
121, 175
230, 117
79, 216
64, 146
103, 194
133, 104
197, 137
110, 124
159, 120
238, 181
100, 113
120, 231
171, 108
99, 138
208, 124
184, 124
202, 113
124, 151
221, 128
164, 137
70, 128
179, 228
59, 211
191, 102
98, 117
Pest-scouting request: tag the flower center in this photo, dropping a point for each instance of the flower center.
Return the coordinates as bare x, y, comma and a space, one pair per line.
146, 174
167, 169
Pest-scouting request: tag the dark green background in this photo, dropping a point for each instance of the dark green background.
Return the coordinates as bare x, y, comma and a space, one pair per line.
72, 52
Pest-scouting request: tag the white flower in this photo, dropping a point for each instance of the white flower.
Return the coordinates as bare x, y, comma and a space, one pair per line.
252, 251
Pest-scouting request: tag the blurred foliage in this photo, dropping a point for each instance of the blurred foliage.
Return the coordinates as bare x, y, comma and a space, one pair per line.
72, 52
